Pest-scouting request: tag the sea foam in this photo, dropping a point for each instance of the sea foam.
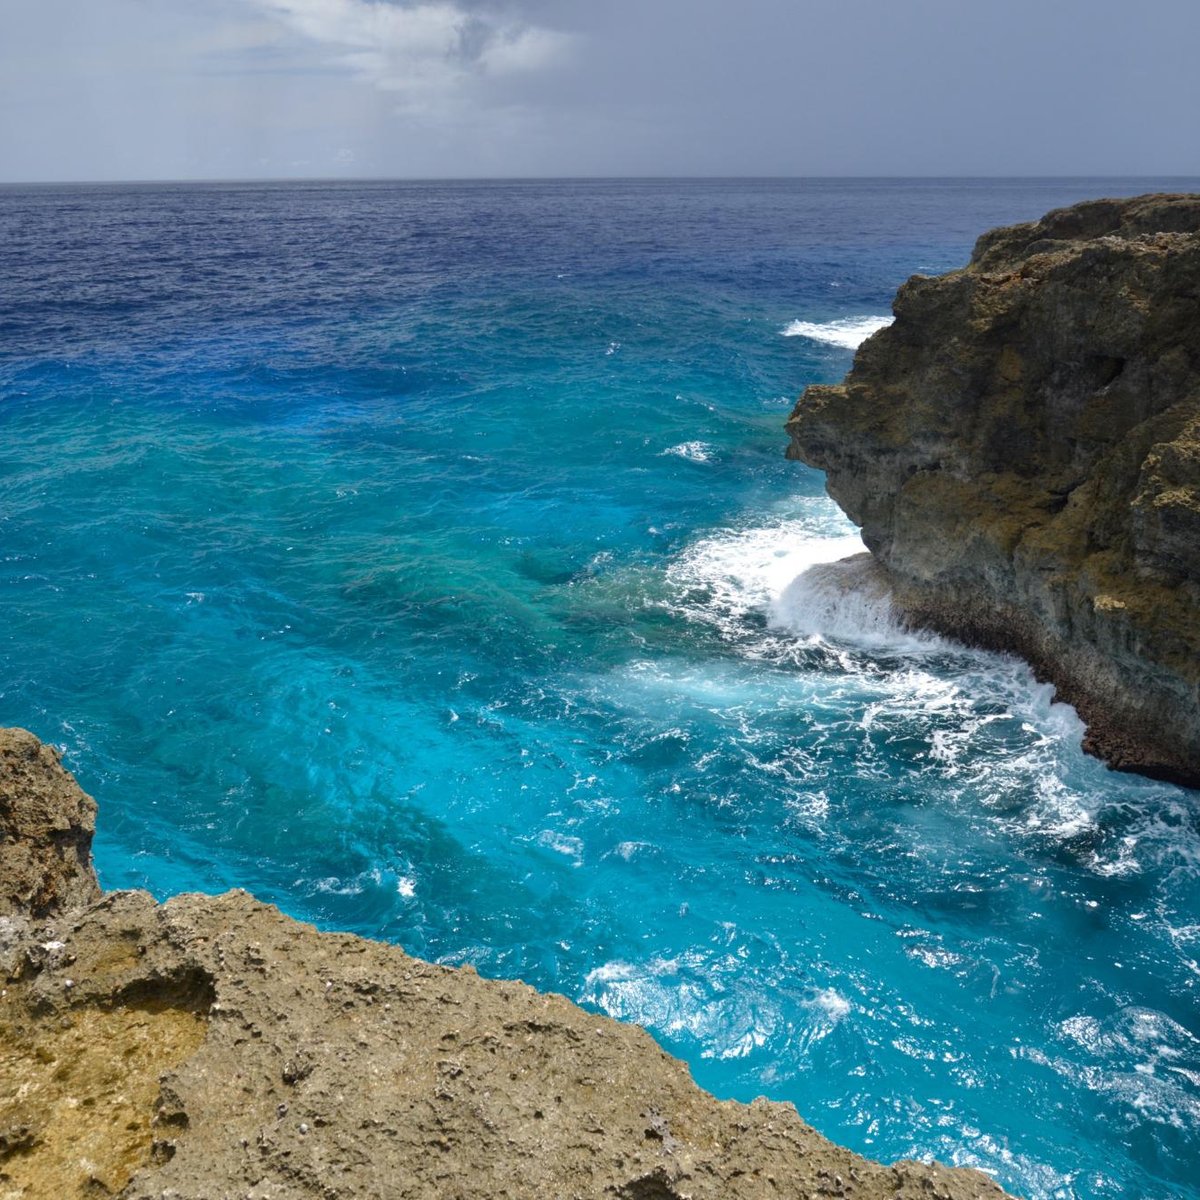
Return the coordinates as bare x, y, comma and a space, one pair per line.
845, 599
848, 332
693, 451
746, 570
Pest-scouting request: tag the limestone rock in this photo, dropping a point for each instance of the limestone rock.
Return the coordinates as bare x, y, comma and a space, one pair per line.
46, 827
1022, 451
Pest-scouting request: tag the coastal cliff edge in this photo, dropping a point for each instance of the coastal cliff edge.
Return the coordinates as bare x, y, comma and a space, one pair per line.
1021, 449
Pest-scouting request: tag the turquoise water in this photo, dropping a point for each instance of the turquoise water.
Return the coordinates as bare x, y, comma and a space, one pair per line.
423, 559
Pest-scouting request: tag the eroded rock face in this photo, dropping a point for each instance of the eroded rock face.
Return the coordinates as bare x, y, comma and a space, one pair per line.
46, 827
1022, 451
212, 1047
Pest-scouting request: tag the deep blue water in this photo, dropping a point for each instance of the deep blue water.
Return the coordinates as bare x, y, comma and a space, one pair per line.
420, 557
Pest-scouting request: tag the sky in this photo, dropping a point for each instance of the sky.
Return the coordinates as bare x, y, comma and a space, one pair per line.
251, 89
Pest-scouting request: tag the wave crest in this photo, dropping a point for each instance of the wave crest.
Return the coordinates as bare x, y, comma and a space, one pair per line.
848, 332
848, 600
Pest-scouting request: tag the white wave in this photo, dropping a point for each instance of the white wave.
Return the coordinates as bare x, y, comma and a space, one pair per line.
830, 1003
798, 589
745, 570
848, 332
629, 850
845, 599
692, 451
695, 996
807, 579
333, 886
1138, 1057
561, 843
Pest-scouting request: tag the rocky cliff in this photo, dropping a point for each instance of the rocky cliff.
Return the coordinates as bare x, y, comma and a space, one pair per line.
212, 1048
1022, 451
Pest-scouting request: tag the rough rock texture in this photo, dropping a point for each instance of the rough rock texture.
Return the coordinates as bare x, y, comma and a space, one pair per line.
212, 1048
1022, 450
46, 826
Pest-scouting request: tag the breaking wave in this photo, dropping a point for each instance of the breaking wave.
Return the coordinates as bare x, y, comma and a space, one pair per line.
847, 332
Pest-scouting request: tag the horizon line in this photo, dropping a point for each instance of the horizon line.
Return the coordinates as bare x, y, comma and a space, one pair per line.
427, 179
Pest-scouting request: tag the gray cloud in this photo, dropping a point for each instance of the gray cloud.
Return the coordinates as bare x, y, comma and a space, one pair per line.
427, 53
221, 88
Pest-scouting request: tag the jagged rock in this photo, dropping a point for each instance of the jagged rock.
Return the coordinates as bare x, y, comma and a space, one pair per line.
212, 1047
46, 827
1022, 451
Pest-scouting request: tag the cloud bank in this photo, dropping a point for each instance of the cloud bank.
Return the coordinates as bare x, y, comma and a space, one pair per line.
425, 53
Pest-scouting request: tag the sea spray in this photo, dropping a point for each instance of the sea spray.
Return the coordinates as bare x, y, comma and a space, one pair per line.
845, 600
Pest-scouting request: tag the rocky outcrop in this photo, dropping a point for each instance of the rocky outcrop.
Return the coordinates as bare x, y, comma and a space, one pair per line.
211, 1047
46, 826
1022, 451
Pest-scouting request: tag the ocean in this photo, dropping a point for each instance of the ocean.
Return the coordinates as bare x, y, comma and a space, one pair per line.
422, 557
